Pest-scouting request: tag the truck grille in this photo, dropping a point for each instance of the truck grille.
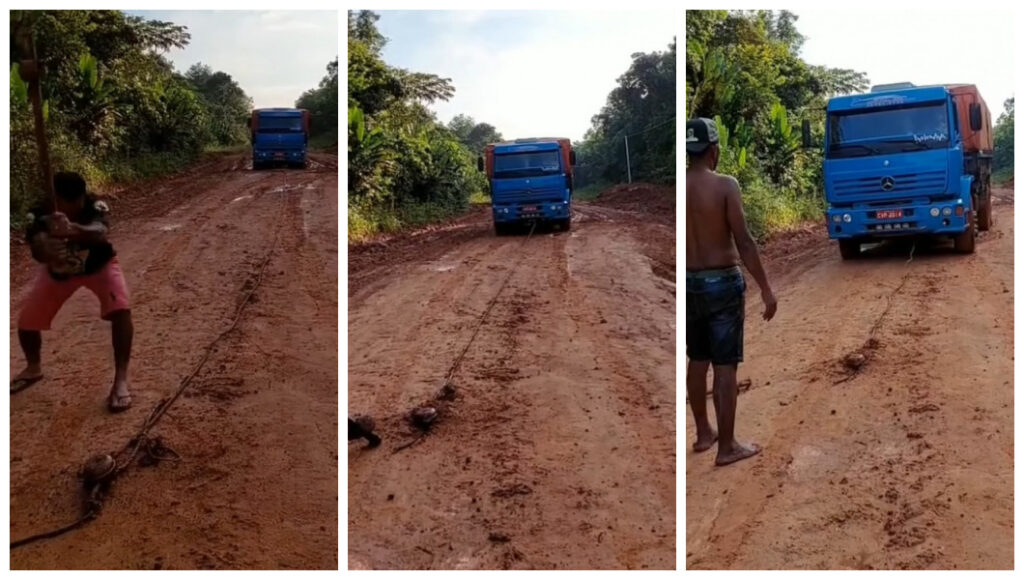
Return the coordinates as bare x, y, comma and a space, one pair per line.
924, 183
537, 195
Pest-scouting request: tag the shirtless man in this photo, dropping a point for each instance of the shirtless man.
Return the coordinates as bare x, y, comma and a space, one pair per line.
716, 239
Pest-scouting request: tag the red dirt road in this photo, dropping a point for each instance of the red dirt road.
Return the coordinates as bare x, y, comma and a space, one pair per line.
258, 428
907, 464
559, 449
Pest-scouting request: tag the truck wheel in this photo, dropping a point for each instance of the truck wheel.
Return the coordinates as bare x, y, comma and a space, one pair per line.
985, 209
500, 229
964, 243
565, 225
849, 249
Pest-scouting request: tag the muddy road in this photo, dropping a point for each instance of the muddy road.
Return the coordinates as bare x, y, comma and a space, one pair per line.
559, 448
906, 463
258, 429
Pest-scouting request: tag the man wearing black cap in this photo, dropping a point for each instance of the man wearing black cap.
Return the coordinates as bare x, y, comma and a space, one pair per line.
716, 239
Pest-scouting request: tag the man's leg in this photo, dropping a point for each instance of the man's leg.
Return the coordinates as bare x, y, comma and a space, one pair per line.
725, 394
37, 313
727, 352
121, 331
109, 286
696, 391
32, 345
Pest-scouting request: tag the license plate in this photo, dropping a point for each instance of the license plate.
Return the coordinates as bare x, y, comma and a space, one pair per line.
278, 155
892, 214
529, 208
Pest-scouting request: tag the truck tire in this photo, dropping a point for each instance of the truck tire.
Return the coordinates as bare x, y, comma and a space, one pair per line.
565, 225
500, 229
849, 249
964, 243
985, 209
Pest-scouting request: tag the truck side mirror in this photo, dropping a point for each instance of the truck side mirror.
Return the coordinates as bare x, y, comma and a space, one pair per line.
572, 158
479, 163
975, 113
805, 128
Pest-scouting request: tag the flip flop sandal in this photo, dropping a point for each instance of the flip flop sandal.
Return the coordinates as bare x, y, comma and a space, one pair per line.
18, 385
119, 409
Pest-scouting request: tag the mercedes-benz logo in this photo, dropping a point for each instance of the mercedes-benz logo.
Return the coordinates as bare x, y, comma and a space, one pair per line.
888, 183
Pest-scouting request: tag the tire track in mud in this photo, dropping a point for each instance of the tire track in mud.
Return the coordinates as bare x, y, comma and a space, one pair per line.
541, 462
260, 420
876, 472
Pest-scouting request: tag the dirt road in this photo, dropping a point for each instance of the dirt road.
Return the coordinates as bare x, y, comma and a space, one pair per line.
257, 431
559, 449
906, 463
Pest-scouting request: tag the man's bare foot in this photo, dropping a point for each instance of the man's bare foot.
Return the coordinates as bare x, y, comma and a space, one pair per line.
26, 378
705, 441
119, 399
738, 452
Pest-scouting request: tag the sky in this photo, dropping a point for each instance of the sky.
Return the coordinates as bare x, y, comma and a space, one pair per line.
273, 55
933, 47
528, 73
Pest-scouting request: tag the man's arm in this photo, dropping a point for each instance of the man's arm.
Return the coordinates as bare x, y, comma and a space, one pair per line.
746, 245
95, 232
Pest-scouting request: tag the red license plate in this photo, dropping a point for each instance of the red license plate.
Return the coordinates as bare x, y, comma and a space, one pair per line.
892, 214
529, 208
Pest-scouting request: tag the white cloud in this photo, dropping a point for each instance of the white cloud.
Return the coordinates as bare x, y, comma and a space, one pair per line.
273, 55
532, 74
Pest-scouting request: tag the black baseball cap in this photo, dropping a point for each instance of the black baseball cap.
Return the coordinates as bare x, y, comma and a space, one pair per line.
700, 134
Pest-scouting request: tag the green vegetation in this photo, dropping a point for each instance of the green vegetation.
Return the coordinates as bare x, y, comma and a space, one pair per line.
116, 110
322, 104
1002, 158
642, 107
404, 167
743, 69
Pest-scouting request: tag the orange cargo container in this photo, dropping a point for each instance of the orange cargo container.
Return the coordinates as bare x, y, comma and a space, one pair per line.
565, 145
974, 141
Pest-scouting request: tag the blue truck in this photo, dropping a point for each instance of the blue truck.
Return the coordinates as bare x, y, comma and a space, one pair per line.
906, 160
531, 181
279, 136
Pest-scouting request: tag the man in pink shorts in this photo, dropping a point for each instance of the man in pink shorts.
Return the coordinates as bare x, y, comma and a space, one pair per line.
71, 244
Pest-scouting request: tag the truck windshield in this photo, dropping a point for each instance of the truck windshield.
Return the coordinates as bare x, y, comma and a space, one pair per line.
527, 164
280, 125
890, 130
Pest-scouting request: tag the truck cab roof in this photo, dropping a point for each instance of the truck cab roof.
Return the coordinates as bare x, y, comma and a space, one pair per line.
885, 98
279, 112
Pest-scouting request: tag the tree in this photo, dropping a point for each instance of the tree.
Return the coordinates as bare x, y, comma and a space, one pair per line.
322, 103
1002, 159
475, 136
226, 104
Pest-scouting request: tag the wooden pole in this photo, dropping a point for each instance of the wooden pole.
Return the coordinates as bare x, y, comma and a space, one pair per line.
30, 71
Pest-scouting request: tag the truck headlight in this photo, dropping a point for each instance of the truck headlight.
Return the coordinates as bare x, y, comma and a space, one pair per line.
847, 218
934, 211
947, 211
837, 218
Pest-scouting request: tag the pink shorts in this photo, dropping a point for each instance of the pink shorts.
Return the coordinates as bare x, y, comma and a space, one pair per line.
48, 295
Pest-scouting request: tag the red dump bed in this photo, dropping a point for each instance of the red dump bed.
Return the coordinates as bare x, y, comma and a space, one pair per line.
973, 141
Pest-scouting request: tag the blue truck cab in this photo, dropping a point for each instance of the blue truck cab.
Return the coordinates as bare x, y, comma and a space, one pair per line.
279, 136
531, 180
905, 160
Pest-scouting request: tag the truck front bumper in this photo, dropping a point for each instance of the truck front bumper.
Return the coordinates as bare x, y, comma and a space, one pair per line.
279, 155
543, 211
939, 218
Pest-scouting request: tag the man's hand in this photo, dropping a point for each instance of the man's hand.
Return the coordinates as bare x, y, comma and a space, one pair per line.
48, 249
61, 226
770, 303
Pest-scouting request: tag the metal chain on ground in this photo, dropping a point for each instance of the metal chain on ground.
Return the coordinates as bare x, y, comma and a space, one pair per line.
153, 447
480, 322
888, 306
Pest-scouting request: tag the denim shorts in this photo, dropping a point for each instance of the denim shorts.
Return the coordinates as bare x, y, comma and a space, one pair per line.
714, 316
